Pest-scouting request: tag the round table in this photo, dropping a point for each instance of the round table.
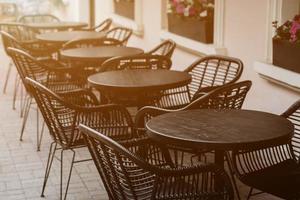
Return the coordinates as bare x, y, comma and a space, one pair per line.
137, 87
56, 25
220, 130
65, 36
99, 53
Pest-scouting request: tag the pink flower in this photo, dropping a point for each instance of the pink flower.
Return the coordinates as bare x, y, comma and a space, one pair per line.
180, 8
295, 27
192, 11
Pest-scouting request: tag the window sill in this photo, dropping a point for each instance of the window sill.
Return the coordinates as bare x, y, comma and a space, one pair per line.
129, 23
192, 46
278, 75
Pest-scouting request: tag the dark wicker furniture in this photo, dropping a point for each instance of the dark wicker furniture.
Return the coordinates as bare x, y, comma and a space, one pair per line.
120, 33
85, 43
63, 112
274, 168
38, 18
102, 27
126, 175
166, 48
54, 76
213, 71
143, 61
207, 73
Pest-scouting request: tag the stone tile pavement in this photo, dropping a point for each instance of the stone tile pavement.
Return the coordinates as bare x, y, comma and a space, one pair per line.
22, 167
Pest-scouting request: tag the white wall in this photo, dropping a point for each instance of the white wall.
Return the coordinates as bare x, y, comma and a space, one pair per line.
245, 38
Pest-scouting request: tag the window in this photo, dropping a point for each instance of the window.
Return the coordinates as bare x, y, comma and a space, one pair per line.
281, 11
124, 8
63, 9
209, 39
132, 17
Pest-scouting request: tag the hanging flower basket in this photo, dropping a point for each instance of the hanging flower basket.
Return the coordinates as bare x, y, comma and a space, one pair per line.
124, 8
192, 19
286, 45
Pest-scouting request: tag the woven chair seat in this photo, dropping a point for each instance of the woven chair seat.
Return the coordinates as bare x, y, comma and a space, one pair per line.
282, 180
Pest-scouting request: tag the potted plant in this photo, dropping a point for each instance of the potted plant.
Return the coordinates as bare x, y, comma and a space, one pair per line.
286, 45
193, 19
124, 8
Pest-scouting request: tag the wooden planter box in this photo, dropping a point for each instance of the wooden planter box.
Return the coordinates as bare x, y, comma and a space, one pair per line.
124, 8
199, 30
286, 55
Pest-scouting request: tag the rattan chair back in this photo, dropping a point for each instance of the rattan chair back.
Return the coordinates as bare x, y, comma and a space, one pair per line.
143, 61
121, 34
85, 43
103, 26
213, 71
166, 48
40, 18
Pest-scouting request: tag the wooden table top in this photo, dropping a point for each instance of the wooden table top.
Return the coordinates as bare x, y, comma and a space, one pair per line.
139, 79
57, 25
65, 36
100, 52
221, 129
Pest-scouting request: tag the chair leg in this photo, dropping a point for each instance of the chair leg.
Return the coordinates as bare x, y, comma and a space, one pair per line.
231, 172
17, 83
39, 137
51, 155
22, 99
7, 76
69, 176
26, 113
22, 105
250, 193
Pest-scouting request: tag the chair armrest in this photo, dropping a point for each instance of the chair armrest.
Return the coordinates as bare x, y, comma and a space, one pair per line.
80, 97
208, 178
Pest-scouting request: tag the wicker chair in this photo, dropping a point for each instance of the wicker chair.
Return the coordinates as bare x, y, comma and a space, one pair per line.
213, 71
207, 73
165, 49
58, 78
120, 33
274, 169
102, 27
63, 112
231, 96
38, 18
32, 47
85, 43
11, 29
126, 175
144, 61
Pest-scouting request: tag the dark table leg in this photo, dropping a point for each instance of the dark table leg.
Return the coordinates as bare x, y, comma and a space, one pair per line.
219, 160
